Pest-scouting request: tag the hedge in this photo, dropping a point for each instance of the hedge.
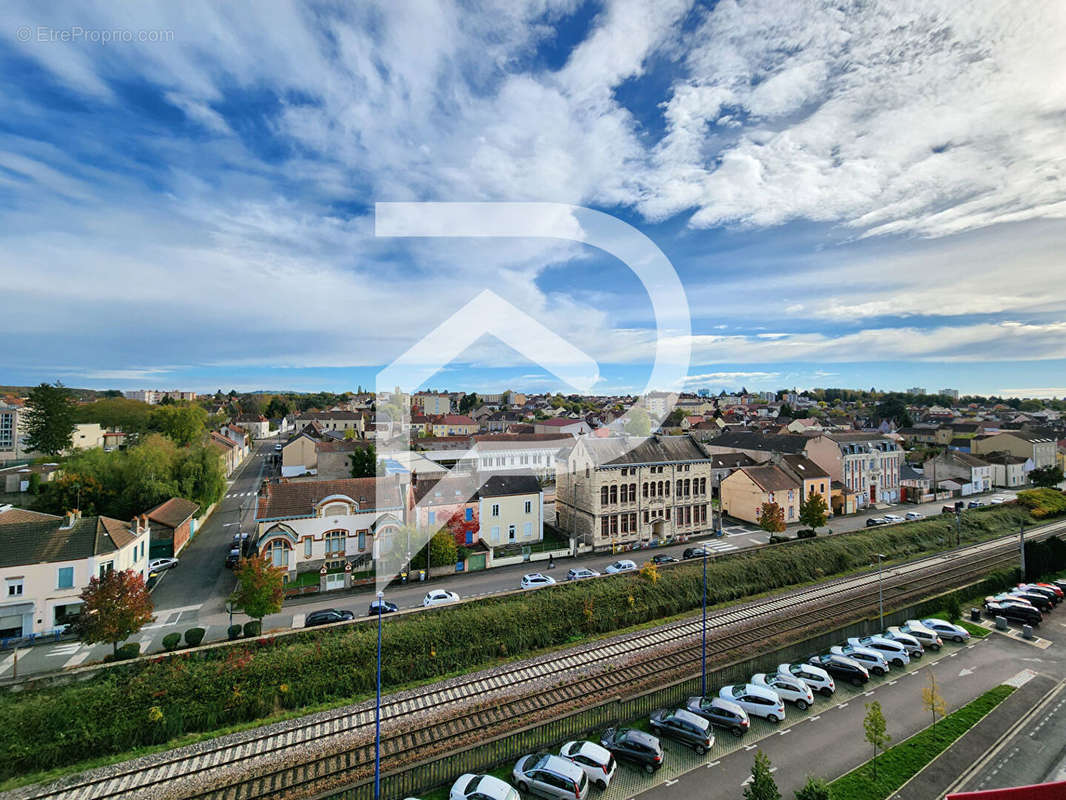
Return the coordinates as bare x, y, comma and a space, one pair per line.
171, 641
207, 690
194, 636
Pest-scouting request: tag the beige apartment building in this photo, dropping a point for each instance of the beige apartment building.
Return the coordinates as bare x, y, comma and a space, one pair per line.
622, 490
1024, 444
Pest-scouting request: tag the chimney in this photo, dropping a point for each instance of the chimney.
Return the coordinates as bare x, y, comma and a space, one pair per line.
70, 518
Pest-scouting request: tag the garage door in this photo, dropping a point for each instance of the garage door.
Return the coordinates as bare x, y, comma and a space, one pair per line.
10, 626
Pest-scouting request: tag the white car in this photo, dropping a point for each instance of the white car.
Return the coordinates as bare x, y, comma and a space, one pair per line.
535, 580
947, 630
625, 565
160, 564
787, 688
277, 447
482, 787
580, 573
997, 499
815, 677
928, 637
758, 701
439, 597
892, 518
894, 652
914, 515
597, 762
911, 643
874, 661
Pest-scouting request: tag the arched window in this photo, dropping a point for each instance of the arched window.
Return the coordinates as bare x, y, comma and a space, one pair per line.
603, 495
278, 552
335, 541
632, 492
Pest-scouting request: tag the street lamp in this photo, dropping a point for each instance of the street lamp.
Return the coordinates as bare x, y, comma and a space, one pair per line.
880, 591
377, 711
703, 656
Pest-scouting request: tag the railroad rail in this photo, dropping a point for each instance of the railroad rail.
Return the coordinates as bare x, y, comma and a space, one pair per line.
283, 754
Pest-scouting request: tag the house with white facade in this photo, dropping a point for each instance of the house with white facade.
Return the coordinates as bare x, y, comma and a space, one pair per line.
870, 464
510, 510
973, 473
46, 561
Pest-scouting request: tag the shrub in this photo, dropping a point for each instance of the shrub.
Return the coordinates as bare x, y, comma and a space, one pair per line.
253, 628
171, 641
806, 533
774, 539
233, 632
649, 571
953, 608
1043, 503
194, 636
126, 652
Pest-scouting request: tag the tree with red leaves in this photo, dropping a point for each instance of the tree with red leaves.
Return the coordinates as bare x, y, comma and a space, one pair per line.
772, 518
260, 587
113, 608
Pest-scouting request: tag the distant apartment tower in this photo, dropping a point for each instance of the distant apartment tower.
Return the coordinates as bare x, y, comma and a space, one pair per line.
952, 393
703, 392
916, 390
9, 432
154, 396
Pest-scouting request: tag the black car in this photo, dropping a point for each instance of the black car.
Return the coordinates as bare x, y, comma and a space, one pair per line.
1041, 601
683, 726
695, 552
233, 558
1014, 612
875, 521
721, 713
386, 607
662, 558
636, 747
842, 667
326, 616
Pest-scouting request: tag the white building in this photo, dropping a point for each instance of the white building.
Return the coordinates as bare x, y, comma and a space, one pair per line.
510, 510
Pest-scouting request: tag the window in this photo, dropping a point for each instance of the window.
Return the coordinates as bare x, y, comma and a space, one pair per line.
106, 567
645, 517
529, 506
279, 554
614, 494
362, 540
65, 580
511, 533
308, 544
469, 537
604, 530
495, 509
335, 543
527, 530
603, 495
469, 515
14, 587
495, 533
432, 517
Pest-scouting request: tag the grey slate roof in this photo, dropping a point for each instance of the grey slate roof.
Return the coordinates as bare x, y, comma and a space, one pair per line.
45, 541
767, 442
623, 450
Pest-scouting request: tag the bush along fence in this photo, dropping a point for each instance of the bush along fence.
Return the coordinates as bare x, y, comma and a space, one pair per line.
421, 777
167, 696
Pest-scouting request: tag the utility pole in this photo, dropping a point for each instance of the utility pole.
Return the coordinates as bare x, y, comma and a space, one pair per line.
958, 527
1021, 546
377, 710
703, 656
880, 591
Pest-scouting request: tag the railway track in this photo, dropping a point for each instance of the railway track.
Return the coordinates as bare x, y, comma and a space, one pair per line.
475, 701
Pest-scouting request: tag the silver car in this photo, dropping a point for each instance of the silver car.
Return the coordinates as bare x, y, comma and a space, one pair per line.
550, 776
481, 787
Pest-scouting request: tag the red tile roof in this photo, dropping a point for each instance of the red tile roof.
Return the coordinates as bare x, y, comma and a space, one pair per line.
293, 500
173, 512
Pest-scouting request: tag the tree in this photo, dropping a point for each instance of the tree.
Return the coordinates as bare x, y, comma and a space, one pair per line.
468, 403
442, 551
1046, 477
786, 412
364, 462
639, 423
813, 511
933, 702
114, 607
50, 419
278, 407
875, 730
260, 587
772, 518
895, 409
813, 789
762, 786
183, 424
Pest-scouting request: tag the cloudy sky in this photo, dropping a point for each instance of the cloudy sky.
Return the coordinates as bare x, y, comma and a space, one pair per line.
852, 193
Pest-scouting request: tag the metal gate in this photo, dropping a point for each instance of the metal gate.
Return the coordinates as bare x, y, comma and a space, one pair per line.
475, 561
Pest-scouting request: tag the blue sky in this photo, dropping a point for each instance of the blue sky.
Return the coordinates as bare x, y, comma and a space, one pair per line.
854, 194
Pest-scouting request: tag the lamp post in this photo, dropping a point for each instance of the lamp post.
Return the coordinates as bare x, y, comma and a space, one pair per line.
703, 656
377, 711
880, 591
958, 527
229, 609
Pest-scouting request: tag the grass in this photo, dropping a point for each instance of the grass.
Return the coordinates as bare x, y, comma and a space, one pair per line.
976, 631
900, 763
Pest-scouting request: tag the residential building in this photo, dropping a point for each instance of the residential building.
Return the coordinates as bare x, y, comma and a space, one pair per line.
746, 490
431, 404
331, 528
975, 473
561, 426
1009, 471
333, 460
812, 478
510, 510
257, 426
533, 452
19, 478
452, 425
725, 464
155, 396
341, 421
433, 507
819, 448
230, 453
870, 465
86, 436
171, 524
46, 561
1039, 447
10, 432
299, 455
659, 404
916, 390
623, 490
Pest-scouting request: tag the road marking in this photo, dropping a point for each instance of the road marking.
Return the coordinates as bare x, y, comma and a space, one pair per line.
964, 672
750, 746
9, 662
844, 705
63, 650
298, 620
75, 660
815, 717
893, 683
786, 730
867, 694
713, 764
671, 783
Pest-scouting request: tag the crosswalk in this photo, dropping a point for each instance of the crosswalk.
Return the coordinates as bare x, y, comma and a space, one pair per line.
720, 547
240, 494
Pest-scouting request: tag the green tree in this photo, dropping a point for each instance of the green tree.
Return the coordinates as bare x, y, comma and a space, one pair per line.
1046, 477
639, 423
50, 419
813, 511
893, 408
813, 789
875, 730
468, 403
200, 476
772, 518
260, 587
442, 550
183, 424
120, 413
364, 462
114, 607
762, 786
786, 412
278, 407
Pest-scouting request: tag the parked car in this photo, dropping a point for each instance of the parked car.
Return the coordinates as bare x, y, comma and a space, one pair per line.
550, 776
790, 689
663, 558
875, 521
582, 572
948, 509
945, 629
636, 747
1034, 598
720, 712
1037, 603
817, 678
535, 580
914, 515
1014, 612
911, 644
1045, 591
927, 636
975, 504
233, 558
386, 607
842, 667
1053, 587
482, 787
278, 447
161, 564
758, 701
695, 552
624, 565
874, 661
683, 726
894, 652
597, 762
326, 616
997, 499
892, 518
439, 597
